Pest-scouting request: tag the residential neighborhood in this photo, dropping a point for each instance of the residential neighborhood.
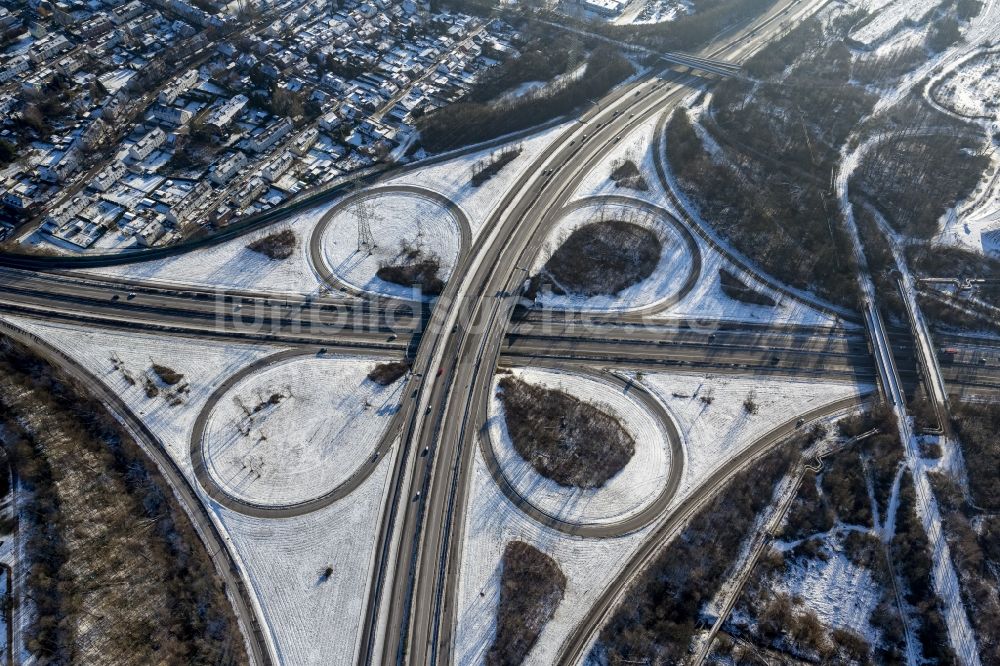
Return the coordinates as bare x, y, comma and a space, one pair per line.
138, 124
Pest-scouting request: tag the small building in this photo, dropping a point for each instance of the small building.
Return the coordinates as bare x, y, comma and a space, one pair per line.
223, 171
147, 144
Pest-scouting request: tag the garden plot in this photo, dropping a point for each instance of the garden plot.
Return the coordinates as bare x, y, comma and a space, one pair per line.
972, 89
405, 228
232, 265
295, 430
715, 424
453, 177
625, 494
667, 278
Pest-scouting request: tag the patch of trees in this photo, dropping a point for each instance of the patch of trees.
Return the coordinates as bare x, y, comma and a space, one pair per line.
945, 33
735, 289
483, 170
911, 552
8, 152
413, 268
789, 230
916, 180
660, 612
883, 451
385, 374
564, 438
540, 60
601, 258
797, 119
976, 564
625, 173
844, 483
531, 587
463, 123
278, 245
977, 426
167, 375
810, 512
116, 568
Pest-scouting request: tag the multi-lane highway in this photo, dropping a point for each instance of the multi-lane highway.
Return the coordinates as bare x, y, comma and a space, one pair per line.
456, 343
414, 611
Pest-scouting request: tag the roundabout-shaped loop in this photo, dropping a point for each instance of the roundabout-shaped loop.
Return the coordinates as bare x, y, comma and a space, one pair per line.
671, 277
631, 499
415, 234
292, 432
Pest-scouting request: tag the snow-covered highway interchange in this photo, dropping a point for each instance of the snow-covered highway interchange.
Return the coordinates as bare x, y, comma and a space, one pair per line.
356, 521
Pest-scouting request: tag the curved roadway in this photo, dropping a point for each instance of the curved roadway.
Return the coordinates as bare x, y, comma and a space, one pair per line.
644, 517
220, 495
318, 260
226, 567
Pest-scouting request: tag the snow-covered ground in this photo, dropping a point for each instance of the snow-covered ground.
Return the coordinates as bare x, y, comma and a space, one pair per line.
666, 280
491, 523
315, 620
308, 621
708, 304
233, 265
636, 146
452, 178
716, 432
399, 221
624, 495
842, 594
888, 18
324, 423
972, 89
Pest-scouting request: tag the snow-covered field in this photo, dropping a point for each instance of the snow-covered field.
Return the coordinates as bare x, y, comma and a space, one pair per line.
709, 304
972, 89
324, 423
232, 265
309, 621
315, 620
716, 432
398, 221
888, 18
491, 523
665, 281
842, 594
452, 178
636, 146
624, 495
